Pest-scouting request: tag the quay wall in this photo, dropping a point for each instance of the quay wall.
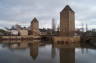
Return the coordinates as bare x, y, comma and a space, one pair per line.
19, 37
60, 41
68, 39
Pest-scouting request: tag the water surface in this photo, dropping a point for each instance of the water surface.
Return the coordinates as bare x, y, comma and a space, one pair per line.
47, 54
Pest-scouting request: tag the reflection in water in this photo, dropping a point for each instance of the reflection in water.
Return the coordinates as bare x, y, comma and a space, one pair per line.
34, 52
84, 51
53, 51
47, 54
67, 55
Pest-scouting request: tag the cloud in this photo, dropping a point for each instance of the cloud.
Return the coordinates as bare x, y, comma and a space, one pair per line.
23, 11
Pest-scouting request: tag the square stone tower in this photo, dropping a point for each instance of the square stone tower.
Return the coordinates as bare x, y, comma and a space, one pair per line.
67, 21
35, 27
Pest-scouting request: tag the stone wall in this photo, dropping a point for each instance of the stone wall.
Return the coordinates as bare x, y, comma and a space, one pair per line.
66, 41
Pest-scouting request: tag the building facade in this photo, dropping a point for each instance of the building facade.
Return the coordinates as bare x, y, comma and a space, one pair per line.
23, 32
67, 22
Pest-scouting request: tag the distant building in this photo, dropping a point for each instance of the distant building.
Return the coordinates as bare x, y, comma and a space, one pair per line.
17, 27
58, 28
13, 31
43, 31
93, 30
77, 32
46, 31
18, 30
23, 32
53, 25
67, 22
35, 27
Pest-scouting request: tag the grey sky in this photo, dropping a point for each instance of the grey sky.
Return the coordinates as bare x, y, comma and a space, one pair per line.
23, 11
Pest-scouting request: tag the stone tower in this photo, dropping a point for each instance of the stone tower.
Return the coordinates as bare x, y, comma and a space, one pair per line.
35, 27
67, 21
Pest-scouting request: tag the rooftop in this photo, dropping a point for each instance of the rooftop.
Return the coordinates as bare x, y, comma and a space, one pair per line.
67, 7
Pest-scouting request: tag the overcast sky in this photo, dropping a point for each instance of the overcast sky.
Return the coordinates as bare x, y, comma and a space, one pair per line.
23, 11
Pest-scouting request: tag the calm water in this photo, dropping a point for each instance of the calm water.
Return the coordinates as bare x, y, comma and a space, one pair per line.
47, 54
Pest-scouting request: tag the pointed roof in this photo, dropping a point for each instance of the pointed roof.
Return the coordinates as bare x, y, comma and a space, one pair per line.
34, 20
67, 7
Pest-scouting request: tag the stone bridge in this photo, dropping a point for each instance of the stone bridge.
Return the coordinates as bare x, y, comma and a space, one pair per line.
87, 39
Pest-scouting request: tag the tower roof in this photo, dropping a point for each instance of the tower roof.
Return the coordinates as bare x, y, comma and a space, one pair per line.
67, 7
34, 20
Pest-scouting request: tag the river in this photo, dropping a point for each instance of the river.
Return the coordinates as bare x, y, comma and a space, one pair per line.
47, 54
